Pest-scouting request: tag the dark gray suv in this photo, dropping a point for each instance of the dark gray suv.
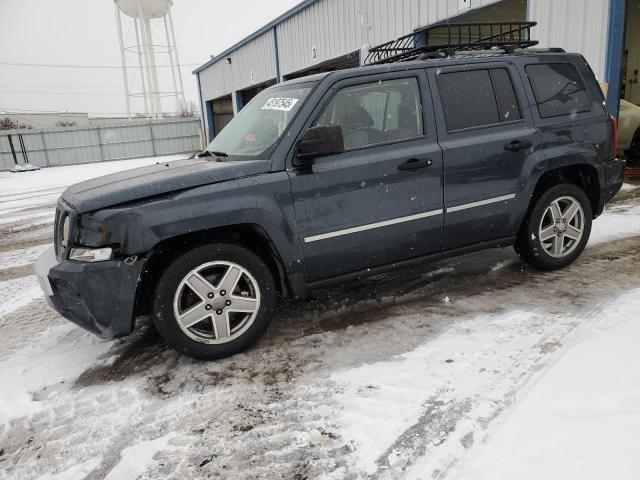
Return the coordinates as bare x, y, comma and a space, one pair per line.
334, 177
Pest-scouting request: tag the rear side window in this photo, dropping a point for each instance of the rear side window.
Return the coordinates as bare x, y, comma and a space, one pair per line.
507, 100
476, 98
559, 89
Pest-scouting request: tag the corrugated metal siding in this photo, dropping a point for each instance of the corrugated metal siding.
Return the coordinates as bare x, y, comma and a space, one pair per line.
85, 145
33, 144
338, 27
579, 26
334, 27
133, 141
251, 64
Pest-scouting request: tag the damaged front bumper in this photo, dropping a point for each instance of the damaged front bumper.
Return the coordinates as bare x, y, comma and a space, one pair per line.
99, 297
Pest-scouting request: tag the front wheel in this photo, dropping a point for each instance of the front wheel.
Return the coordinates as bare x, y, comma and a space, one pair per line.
557, 229
214, 301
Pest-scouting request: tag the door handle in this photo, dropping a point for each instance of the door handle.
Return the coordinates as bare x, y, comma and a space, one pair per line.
517, 145
414, 165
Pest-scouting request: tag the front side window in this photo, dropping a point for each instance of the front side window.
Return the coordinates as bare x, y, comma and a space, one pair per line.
559, 89
375, 113
261, 122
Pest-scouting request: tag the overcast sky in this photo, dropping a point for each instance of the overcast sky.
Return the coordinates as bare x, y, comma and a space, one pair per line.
84, 33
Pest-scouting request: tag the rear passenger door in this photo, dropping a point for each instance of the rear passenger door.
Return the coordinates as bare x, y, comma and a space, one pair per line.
489, 144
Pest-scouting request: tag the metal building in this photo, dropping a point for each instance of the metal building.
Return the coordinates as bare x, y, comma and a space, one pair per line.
319, 35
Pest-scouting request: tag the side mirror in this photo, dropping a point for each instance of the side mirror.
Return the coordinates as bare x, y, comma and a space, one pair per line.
319, 142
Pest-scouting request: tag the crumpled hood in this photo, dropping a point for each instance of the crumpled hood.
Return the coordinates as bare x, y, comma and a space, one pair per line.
163, 177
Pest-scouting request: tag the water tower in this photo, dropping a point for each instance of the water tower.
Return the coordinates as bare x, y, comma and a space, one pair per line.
150, 65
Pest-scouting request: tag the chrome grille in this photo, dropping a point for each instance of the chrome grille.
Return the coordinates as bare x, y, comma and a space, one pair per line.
56, 235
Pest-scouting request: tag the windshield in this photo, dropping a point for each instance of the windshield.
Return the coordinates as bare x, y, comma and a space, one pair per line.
260, 123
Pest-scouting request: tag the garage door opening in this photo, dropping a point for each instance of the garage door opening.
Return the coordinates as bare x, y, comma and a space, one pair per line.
222, 109
501, 12
629, 120
505, 11
630, 88
350, 60
247, 94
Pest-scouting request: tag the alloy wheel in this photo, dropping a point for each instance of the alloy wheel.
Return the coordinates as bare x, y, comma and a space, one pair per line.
562, 226
216, 302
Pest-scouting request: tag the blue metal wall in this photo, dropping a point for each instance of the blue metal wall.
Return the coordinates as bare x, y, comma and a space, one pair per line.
615, 46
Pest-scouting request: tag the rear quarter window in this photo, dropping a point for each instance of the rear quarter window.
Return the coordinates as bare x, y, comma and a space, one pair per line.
559, 89
507, 100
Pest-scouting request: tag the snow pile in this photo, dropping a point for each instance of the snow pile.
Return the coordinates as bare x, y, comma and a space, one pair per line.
578, 419
135, 459
45, 368
404, 397
76, 472
617, 221
62, 177
628, 187
17, 293
581, 418
24, 168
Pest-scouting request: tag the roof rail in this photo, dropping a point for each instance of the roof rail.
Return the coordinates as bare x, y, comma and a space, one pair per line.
447, 38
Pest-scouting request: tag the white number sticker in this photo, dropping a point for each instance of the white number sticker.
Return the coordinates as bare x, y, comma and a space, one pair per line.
283, 104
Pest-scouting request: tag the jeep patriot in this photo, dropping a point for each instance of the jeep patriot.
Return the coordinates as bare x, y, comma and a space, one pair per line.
337, 176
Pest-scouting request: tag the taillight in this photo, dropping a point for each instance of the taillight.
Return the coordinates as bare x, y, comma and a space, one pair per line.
614, 134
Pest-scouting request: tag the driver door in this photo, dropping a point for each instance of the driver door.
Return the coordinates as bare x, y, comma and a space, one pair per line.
381, 200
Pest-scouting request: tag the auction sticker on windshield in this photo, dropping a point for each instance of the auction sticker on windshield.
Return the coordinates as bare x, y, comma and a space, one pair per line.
284, 104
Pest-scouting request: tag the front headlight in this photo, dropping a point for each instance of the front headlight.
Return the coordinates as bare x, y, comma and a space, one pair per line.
90, 254
65, 232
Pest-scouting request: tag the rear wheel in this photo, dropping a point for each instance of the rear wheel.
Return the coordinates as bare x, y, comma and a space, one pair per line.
557, 228
214, 301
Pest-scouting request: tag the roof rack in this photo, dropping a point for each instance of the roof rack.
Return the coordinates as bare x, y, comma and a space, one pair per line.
445, 39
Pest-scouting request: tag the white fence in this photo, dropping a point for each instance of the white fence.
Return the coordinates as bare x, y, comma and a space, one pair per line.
68, 146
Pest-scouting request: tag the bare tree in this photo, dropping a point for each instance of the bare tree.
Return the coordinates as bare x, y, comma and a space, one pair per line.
187, 108
66, 123
11, 124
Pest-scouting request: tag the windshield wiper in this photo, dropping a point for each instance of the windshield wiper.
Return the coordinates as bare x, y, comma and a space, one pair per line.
209, 153
218, 154
564, 94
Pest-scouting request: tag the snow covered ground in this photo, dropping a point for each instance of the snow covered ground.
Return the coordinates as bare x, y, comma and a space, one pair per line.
469, 368
582, 415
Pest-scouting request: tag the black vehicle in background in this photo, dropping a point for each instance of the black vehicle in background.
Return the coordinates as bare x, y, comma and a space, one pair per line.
431, 151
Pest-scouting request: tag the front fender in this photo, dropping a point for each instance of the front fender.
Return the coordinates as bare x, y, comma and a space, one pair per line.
263, 200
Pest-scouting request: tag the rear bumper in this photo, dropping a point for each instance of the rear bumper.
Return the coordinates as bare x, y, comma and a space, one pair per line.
611, 179
99, 297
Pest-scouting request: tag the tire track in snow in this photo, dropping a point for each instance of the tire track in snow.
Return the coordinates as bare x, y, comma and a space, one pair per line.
451, 418
16, 272
272, 411
27, 195
23, 244
35, 208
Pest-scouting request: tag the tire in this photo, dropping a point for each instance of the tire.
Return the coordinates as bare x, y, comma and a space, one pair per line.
634, 149
546, 244
193, 287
